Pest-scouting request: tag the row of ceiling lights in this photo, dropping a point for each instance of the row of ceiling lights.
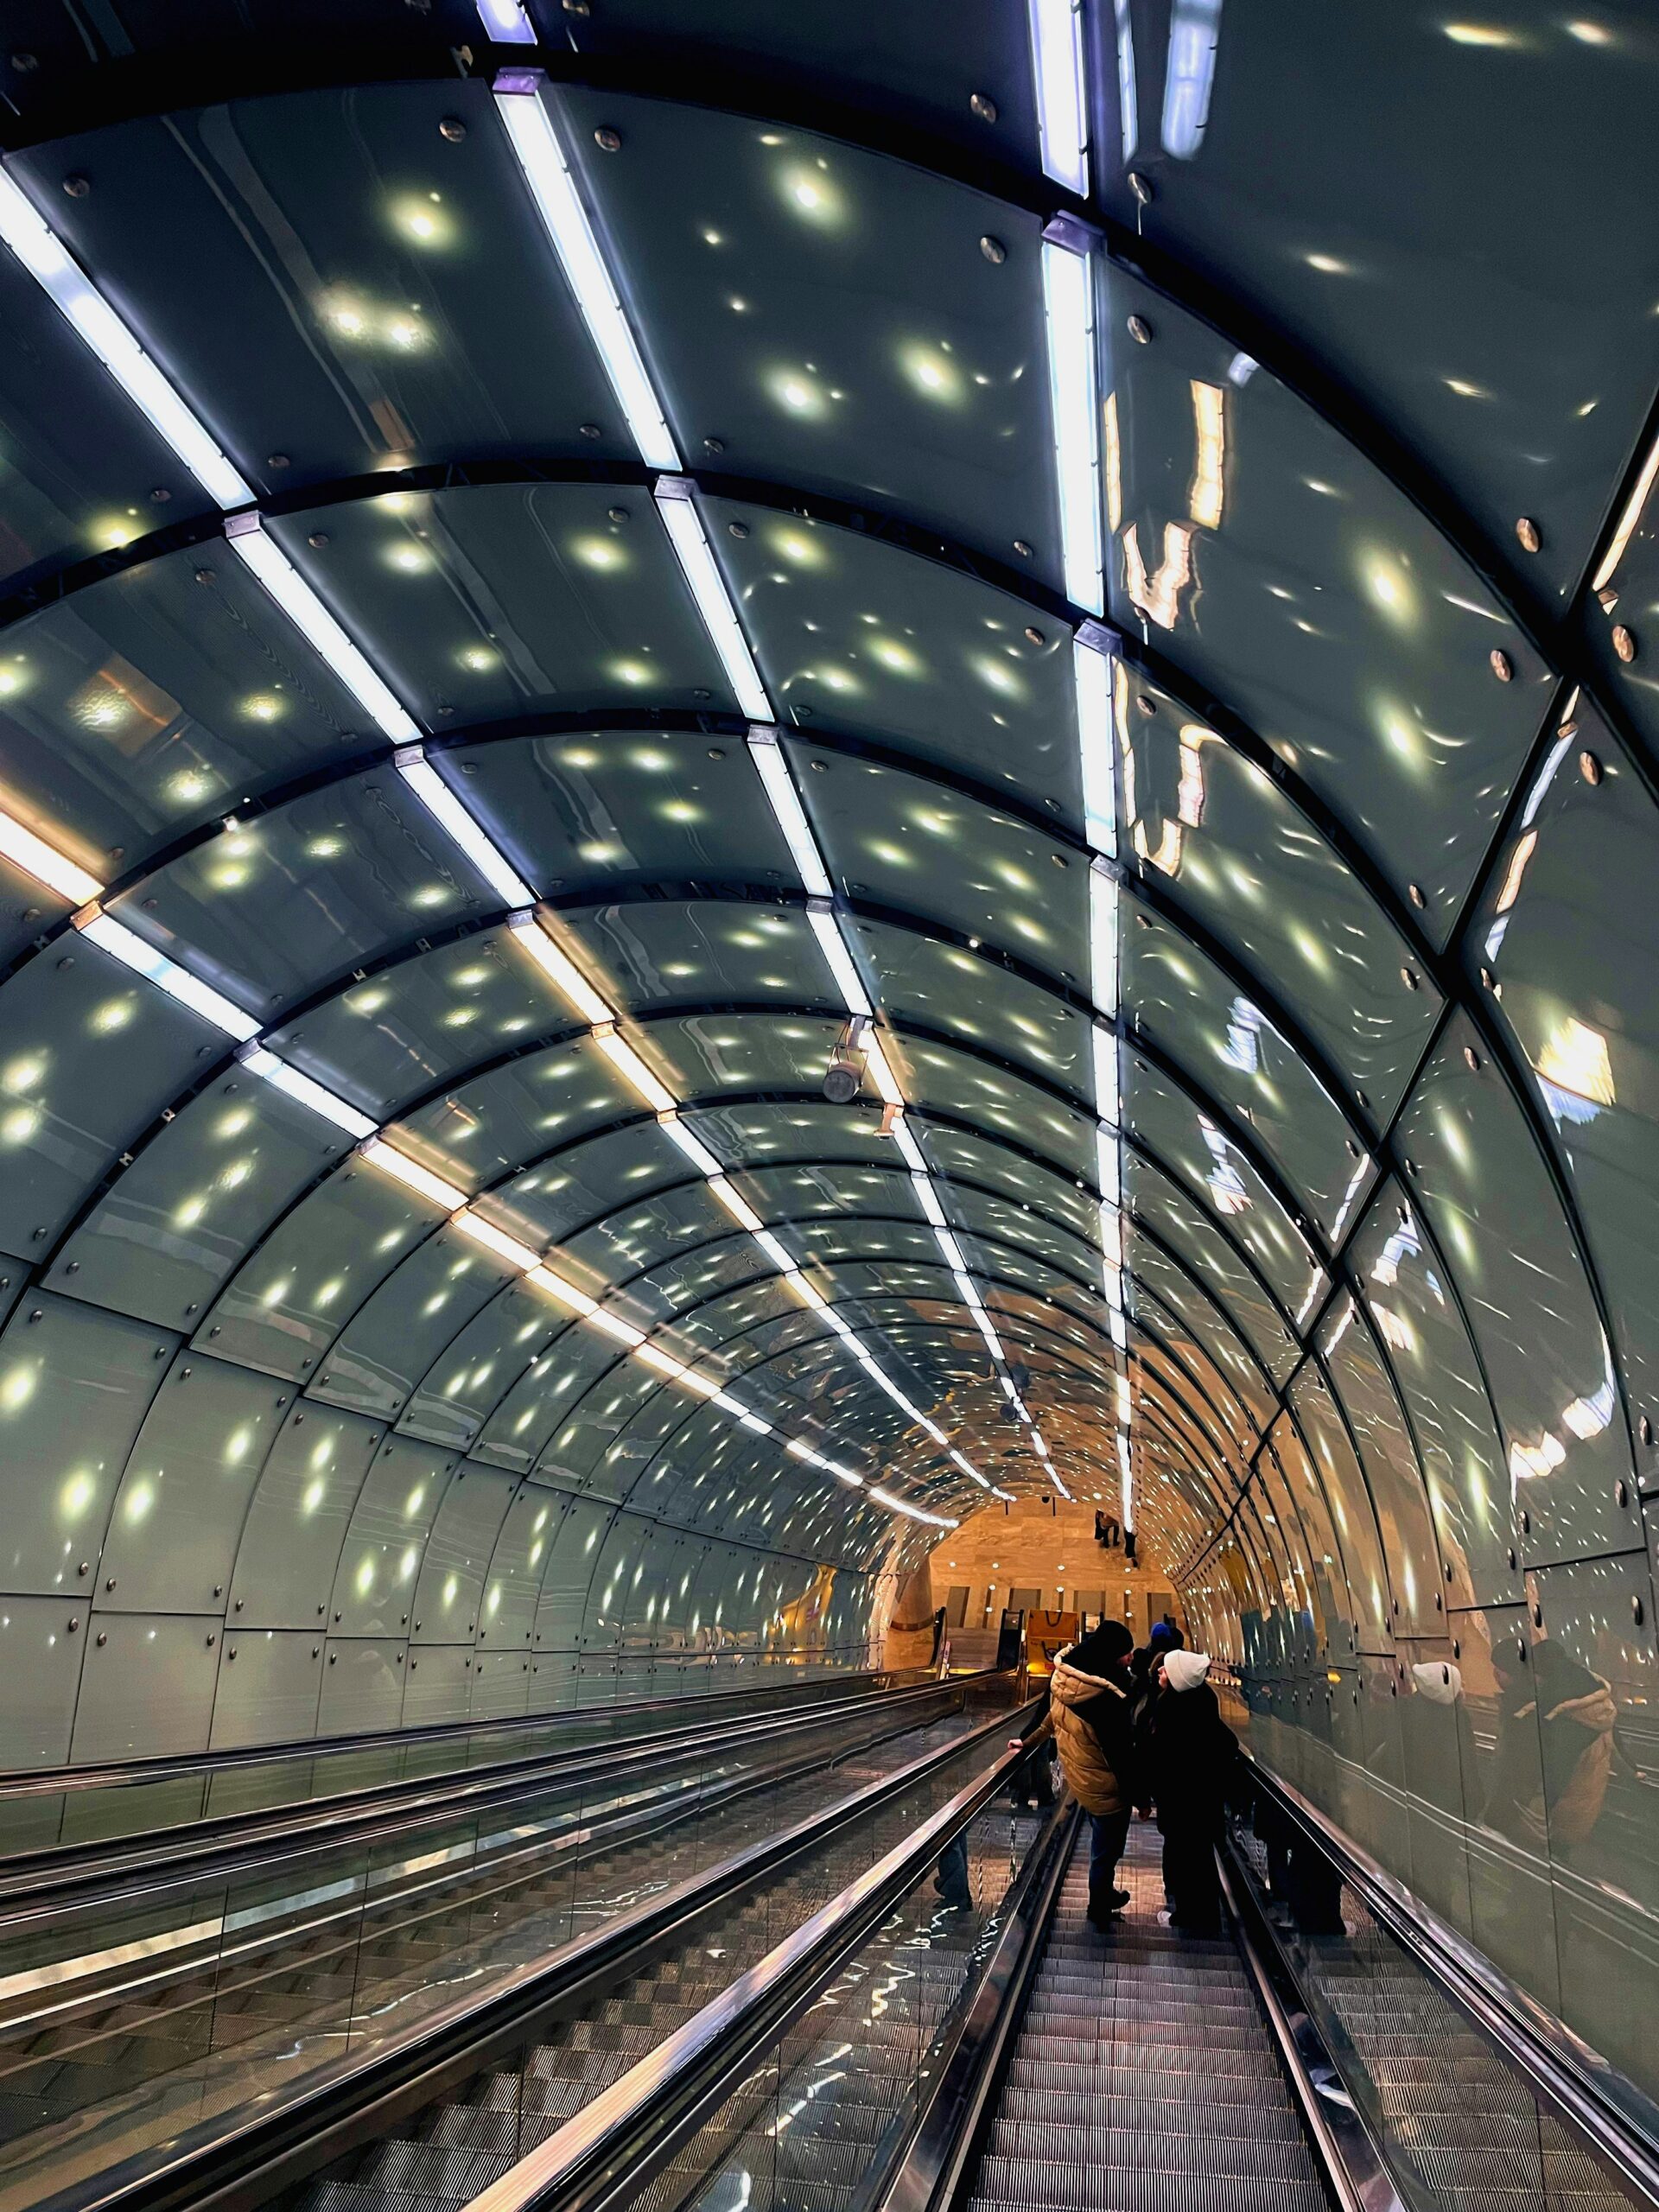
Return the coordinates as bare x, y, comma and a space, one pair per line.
1068, 290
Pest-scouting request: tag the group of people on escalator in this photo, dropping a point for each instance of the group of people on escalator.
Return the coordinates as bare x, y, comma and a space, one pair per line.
1141, 1731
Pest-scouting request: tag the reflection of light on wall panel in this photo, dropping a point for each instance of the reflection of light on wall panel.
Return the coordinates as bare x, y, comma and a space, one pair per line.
1209, 422
1159, 595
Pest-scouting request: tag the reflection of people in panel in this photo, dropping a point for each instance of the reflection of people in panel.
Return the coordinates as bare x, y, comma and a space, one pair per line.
1558, 1800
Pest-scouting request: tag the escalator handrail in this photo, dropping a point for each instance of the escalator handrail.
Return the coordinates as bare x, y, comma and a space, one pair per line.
18, 1783
1354, 2171
46, 1884
241, 2160
601, 2160
1542, 2049
928, 2169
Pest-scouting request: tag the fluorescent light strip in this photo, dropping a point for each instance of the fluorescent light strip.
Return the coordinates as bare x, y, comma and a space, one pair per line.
446, 810
530, 133
409, 1172
1056, 69
677, 505
96, 323
821, 919
281, 1077
1068, 303
561, 971
45, 864
506, 21
1103, 939
881, 1074
126, 946
694, 1148
496, 1240
1093, 671
791, 815
634, 1070
738, 1206
246, 536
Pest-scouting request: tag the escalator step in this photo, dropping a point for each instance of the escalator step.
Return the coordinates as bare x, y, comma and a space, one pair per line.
1096, 2108
1135, 2189
1201, 2153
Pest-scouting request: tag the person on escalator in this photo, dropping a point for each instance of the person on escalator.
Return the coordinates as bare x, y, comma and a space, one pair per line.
1089, 1718
1190, 1755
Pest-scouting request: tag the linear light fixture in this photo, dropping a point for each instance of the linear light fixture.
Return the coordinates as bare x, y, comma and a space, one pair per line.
909, 1151
125, 946
45, 864
496, 1240
821, 919
246, 536
409, 1172
1103, 939
96, 323
806, 1290
1056, 67
506, 21
774, 1251
737, 1205
562, 971
968, 1469
693, 1147
613, 1325
791, 815
550, 1281
677, 505
321, 1101
634, 1070
881, 1074
534, 142
453, 818
1068, 311
1093, 672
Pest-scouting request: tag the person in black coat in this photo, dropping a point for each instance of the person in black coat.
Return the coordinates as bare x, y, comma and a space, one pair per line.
1191, 1755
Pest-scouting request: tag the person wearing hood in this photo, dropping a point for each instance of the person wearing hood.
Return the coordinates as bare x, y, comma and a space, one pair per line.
1089, 1720
1191, 1753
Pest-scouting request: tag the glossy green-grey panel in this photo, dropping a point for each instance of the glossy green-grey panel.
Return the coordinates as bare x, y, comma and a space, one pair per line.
483, 1132
1220, 1037
75, 1386
925, 982
1387, 1455
1254, 871
177, 1515
348, 266
860, 637
1573, 955
423, 1020
1415, 1312
290, 1552
1335, 619
478, 1366
1349, 1500
519, 1428
272, 907
1028, 1184
606, 806
904, 841
149, 703
92, 1055
205, 1187
1543, 357
392, 1338
503, 600
827, 318
700, 1055
698, 952
1497, 1217
285, 1304
936, 1075
1178, 1218
1195, 1149
1206, 1315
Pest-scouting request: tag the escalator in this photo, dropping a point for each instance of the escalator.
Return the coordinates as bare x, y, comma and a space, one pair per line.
1144, 2078
152, 2002
948, 2033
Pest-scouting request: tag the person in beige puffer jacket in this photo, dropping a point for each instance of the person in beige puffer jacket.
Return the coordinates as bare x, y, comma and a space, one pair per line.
1089, 1719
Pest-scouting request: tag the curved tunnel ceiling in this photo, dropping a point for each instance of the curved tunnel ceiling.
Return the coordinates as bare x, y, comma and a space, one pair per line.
558, 559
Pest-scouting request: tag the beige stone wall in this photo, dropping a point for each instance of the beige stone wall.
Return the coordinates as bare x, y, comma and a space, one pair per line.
1032, 1543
